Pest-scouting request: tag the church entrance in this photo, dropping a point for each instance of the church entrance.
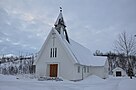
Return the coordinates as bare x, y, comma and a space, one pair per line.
53, 70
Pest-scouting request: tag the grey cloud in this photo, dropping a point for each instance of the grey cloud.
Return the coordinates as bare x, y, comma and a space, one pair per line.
93, 23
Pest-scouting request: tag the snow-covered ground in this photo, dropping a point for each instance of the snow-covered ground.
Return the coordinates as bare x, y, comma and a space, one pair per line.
91, 83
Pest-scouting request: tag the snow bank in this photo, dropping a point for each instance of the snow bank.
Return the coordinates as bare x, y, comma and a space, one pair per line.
9, 82
92, 79
127, 84
7, 78
25, 77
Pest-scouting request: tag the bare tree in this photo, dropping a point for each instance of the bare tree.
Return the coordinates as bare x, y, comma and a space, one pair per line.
126, 45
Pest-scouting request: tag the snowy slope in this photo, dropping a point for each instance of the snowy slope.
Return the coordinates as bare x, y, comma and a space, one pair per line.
91, 83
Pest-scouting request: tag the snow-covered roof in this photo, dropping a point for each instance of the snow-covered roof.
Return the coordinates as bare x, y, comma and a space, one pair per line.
84, 56
117, 69
81, 54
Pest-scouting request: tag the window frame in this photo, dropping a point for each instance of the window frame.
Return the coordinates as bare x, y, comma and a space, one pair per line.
56, 52
87, 69
84, 69
51, 53
78, 69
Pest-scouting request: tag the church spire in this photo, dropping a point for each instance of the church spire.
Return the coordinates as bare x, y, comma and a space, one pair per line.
60, 20
60, 26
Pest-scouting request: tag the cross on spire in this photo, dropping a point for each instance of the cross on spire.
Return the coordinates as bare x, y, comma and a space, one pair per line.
60, 9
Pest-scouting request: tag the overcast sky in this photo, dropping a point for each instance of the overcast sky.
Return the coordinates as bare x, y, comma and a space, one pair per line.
25, 24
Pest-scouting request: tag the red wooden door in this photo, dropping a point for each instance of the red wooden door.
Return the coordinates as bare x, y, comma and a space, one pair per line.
53, 70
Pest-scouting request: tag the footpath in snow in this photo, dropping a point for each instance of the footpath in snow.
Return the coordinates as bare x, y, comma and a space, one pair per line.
8, 82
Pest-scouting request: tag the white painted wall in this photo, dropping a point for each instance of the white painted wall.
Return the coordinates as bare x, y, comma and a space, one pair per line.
99, 71
82, 74
64, 61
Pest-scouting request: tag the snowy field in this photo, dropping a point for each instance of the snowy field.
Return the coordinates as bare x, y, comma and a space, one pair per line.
91, 83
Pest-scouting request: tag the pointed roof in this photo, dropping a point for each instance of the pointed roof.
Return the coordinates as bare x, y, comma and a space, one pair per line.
60, 19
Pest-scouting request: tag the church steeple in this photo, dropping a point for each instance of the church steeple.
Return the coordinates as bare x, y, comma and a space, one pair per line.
60, 26
60, 21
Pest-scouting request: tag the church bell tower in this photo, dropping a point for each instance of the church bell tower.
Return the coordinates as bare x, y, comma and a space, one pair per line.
61, 27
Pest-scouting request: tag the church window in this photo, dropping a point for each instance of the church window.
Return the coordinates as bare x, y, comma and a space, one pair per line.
78, 69
53, 52
84, 69
87, 69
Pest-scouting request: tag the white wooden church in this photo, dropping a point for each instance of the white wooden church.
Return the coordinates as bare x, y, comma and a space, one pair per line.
60, 56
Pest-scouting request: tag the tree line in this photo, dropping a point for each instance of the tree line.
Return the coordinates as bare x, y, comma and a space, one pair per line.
17, 65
